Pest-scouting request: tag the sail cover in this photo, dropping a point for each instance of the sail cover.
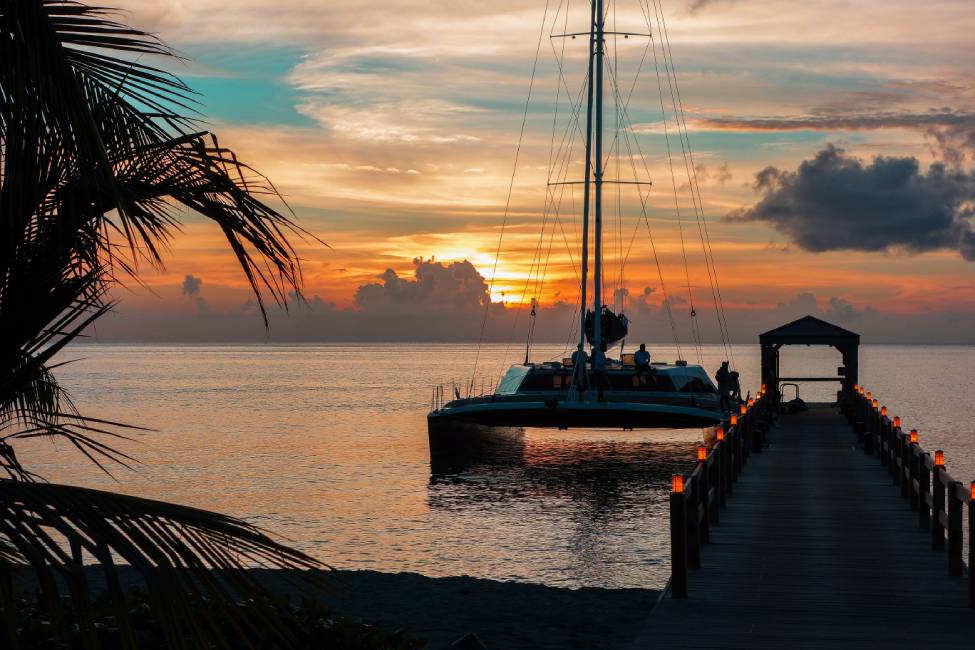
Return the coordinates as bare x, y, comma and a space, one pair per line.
613, 327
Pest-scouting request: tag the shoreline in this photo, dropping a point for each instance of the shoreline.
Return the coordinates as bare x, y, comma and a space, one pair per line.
441, 611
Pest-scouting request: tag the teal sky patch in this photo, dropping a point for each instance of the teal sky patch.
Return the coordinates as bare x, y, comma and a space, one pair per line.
246, 86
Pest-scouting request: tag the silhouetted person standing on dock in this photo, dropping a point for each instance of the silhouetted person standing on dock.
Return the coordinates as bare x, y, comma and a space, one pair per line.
724, 385
734, 387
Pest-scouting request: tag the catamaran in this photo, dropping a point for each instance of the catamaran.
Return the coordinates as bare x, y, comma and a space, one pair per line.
589, 390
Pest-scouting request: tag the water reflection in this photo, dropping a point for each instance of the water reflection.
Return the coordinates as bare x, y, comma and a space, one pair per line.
600, 492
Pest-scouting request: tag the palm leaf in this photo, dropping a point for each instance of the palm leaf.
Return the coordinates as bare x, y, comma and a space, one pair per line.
183, 554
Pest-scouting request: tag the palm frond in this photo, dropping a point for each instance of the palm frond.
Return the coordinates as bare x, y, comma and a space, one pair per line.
183, 554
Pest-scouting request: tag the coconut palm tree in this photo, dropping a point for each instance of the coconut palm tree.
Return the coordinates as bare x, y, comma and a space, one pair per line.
100, 155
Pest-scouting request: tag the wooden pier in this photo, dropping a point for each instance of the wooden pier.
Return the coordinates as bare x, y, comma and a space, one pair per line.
842, 532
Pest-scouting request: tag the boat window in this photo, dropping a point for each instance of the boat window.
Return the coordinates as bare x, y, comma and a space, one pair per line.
692, 384
545, 381
656, 382
512, 380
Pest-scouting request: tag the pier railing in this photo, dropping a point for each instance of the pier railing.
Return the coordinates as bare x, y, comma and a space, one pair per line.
924, 482
696, 498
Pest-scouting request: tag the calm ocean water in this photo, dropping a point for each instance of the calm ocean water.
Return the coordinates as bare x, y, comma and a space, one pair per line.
325, 445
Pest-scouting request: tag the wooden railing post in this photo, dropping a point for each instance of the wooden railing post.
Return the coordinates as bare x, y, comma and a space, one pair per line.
693, 525
937, 508
924, 492
913, 477
971, 544
955, 528
678, 539
701, 488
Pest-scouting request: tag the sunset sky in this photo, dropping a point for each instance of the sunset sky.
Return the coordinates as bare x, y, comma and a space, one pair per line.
391, 129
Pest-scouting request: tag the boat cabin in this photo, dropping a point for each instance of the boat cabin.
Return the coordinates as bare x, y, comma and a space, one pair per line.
662, 378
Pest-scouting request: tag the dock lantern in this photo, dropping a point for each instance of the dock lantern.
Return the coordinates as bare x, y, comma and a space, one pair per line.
734, 419
856, 388
702, 453
883, 411
742, 410
719, 434
751, 402
939, 459
677, 484
913, 437
971, 492
875, 404
897, 421
763, 389
869, 394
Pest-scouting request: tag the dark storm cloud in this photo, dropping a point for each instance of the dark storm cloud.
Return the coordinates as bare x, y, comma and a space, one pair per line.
951, 132
836, 202
191, 286
832, 121
694, 6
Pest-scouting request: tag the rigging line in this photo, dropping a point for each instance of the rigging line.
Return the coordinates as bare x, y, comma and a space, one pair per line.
643, 200
511, 184
653, 249
689, 168
710, 251
577, 109
680, 225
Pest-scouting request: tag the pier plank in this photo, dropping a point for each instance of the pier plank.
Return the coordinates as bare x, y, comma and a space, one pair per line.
816, 549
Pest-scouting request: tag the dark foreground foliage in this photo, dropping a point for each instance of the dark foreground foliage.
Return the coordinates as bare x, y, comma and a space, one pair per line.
309, 625
102, 157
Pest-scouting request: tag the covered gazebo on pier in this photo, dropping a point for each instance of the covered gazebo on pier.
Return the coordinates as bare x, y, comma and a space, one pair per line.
809, 330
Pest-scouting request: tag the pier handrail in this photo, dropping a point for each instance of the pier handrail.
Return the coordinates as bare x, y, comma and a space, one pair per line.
697, 498
922, 477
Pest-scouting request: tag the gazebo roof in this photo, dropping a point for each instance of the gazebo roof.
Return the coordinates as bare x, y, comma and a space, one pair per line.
809, 329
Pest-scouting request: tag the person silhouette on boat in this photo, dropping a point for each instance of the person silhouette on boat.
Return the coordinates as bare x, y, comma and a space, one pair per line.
642, 361
723, 376
579, 360
600, 376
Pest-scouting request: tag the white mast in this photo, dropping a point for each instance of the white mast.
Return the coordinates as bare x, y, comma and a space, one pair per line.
580, 370
597, 280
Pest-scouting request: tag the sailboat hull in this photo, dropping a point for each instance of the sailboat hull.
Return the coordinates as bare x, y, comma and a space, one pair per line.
572, 415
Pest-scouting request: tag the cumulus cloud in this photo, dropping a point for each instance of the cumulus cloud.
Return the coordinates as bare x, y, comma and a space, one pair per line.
456, 286
191, 286
837, 202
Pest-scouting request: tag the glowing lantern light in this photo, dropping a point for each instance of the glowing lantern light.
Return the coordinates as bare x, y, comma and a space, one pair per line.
875, 404
742, 410
869, 395
763, 388
856, 388
939, 459
883, 411
897, 421
751, 402
913, 437
734, 419
702, 453
971, 493
719, 434
677, 484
